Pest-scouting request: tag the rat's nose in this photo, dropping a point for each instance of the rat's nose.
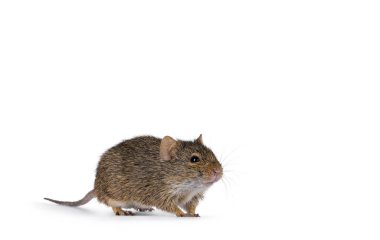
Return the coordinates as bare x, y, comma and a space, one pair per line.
218, 173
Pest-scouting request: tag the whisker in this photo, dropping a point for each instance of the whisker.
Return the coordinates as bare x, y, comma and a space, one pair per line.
229, 194
221, 158
225, 187
230, 173
226, 158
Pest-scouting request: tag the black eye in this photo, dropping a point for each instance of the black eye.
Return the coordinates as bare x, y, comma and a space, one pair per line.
194, 159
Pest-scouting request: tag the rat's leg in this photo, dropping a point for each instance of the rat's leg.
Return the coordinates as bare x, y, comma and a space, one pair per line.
172, 208
116, 207
192, 205
190, 208
120, 212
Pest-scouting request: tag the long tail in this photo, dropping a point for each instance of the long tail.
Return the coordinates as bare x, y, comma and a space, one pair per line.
90, 195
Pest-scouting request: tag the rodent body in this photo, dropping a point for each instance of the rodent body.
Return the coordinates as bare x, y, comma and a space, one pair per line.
146, 172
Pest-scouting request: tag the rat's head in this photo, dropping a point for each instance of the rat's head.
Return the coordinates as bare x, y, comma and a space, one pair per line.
193, 163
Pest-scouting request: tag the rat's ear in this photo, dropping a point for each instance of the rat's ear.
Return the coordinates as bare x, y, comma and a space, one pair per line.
166, 148
199, 139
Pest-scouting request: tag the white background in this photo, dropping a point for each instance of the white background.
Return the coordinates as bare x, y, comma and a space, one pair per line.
286, 93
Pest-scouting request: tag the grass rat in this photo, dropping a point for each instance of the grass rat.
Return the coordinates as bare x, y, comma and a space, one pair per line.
146, 172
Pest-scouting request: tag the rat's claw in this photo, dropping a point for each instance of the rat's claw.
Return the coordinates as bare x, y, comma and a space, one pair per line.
124, 213
188, 215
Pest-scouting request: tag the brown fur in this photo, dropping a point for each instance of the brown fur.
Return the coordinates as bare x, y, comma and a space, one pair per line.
145, 172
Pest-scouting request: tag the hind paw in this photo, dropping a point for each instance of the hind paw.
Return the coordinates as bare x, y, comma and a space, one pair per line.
120, 212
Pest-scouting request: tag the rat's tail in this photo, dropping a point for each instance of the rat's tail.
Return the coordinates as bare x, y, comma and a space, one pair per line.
90, 195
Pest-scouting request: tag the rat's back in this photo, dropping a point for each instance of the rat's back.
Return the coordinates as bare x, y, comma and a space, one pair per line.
127, 165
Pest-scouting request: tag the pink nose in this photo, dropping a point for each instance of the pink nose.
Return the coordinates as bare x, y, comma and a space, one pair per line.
217, 173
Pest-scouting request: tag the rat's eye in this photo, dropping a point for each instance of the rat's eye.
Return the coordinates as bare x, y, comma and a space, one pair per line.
194, 159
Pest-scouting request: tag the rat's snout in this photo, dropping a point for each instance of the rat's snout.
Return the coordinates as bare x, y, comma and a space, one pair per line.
218, 173
215, 174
